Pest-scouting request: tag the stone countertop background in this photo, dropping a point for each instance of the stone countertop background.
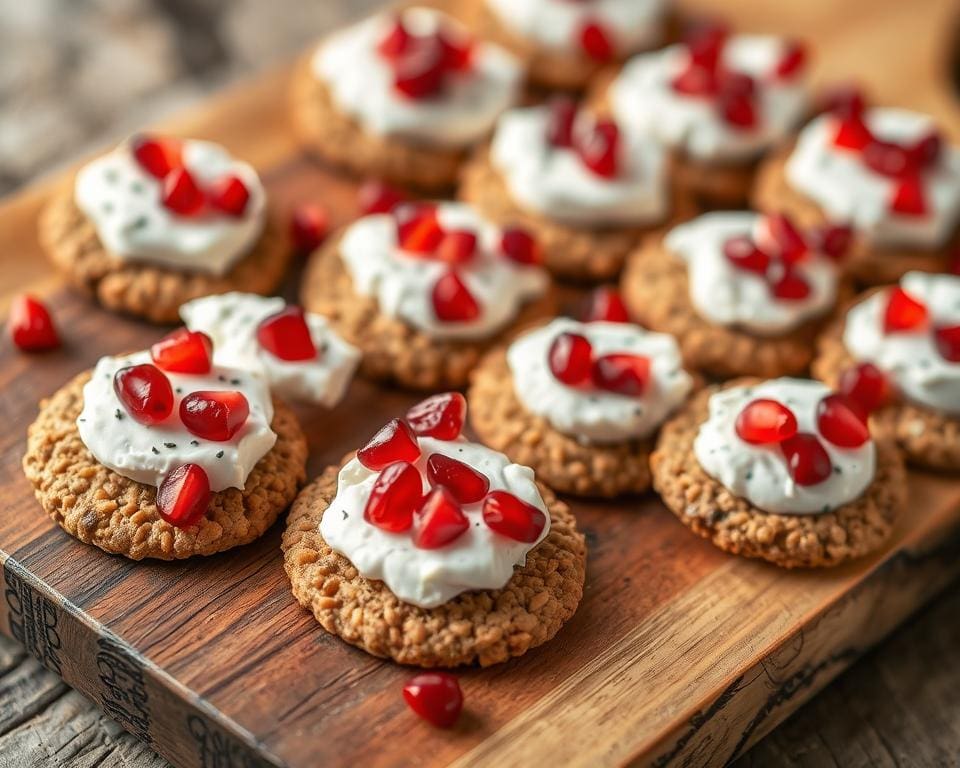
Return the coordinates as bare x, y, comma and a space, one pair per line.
77, 74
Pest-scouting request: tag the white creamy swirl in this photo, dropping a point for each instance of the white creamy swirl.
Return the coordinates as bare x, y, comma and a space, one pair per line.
124, 204
593, 415
402, 283
478, 559
554, 181
727, 295
911, 359
146, 454
848, 190
231, 321
758, 473
643, 96
362, 84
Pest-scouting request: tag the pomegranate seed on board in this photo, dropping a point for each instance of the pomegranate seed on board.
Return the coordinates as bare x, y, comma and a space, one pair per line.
866, 385
157, 156
184, 351
434, 696
184, 495
145, 393
181, 193
418, 229
790, 242
379, 197
457, 247
419, 72
286, 335
842, 421
395, 496
394, 442
790, 286
214, 415
509, 516
903, 312
605, 304
570, 359
308, 226
909, 198
764, 421
792, 62
440, 416
595, 41
807, 460
230, 195
465, 484
520, 246
563, 113
947, 340
30, 326
598, 150
743, 253
452, 300
621, 373
440, 522
832, 240
394, 43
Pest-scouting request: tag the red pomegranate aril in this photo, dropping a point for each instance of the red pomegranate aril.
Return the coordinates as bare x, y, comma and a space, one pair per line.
379, 197
842, 421
563, 114
570, 359
909, 198
30, 325
396, 495
926, 151
184, 495
705, 42
866, 385
418, 229
947, 340
440, 416
738, 110
605, 305
807, 460
595, 41
764, 422
184, 351
465, 484
787, 237
457, 50
843, 101
903, 312
743, 253
695, 81
181, 194
434, 696
308, 226
419, 72
214, 415
157, 156
832, 240
520, 246
393, 44
852, 133
230, 195
598, 150
145, 392
441, 521
793, 60
286, 335
790, 285
457, 247
514, 518
394, 442
452, 300
621, 373
887, 159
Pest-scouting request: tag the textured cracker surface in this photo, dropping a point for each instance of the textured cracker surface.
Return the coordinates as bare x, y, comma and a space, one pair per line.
487, 626
342, 142
393, 350
871, 266
153, 293
705, 506
562, 462
98, 506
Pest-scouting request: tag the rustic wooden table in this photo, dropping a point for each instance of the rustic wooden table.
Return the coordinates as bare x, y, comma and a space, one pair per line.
900, 705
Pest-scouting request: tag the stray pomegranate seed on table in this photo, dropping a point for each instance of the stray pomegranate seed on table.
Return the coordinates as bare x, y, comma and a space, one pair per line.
435, 696
30, 325
308, 226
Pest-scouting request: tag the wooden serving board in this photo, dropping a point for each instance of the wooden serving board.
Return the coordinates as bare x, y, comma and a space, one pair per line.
678, 654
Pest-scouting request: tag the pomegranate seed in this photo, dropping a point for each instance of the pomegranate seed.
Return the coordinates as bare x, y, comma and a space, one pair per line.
145, 392
457, 247
434, 696
843, 101
738, 110
308, 226
440, 416
379, 197
705, 42
807, 460
790, 286
563, 113
230, 195
948, 342
743, 253
793, 60
181, 193
184, 351
419, 73
509, 516
570, 359
832, 240
598, 151
903, 312
452, 300
457, 51
737, 84
418, 229
926, 151
393, 44
30, 326
441, 520
595, 41
214, 415
520, 246
394, 442
395, 496
695, 81
605, 305
887, 159
787, 237
909, 198
465, 484
157, 156
184, 495
842, 421
852, 133
866, 385
765, 421
286, 335
622, 373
